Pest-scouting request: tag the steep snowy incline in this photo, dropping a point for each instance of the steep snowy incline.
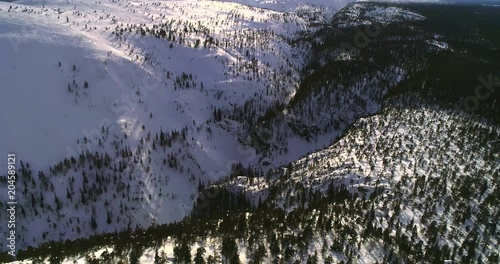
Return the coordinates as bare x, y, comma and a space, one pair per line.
330, 5
122, 101
398, 186
42, 117
292, 5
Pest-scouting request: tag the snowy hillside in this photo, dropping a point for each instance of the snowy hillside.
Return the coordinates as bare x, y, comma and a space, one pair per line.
388, 191
410, 201
251, 131
124, 102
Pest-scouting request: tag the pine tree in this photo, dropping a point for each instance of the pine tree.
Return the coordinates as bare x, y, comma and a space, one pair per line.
108, 218
199, 257
93, 223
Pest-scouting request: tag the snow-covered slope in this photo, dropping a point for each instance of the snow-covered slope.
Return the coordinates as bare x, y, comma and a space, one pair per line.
122, 111
399, 186
88, 82
36, 40
290, 5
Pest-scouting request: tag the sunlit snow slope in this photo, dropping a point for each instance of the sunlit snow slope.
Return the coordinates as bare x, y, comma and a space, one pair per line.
114, 107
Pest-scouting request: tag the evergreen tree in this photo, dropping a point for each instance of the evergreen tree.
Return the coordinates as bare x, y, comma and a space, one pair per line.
199, 257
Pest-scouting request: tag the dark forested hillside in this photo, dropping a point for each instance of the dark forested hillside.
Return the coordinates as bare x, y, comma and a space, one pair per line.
440, 53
